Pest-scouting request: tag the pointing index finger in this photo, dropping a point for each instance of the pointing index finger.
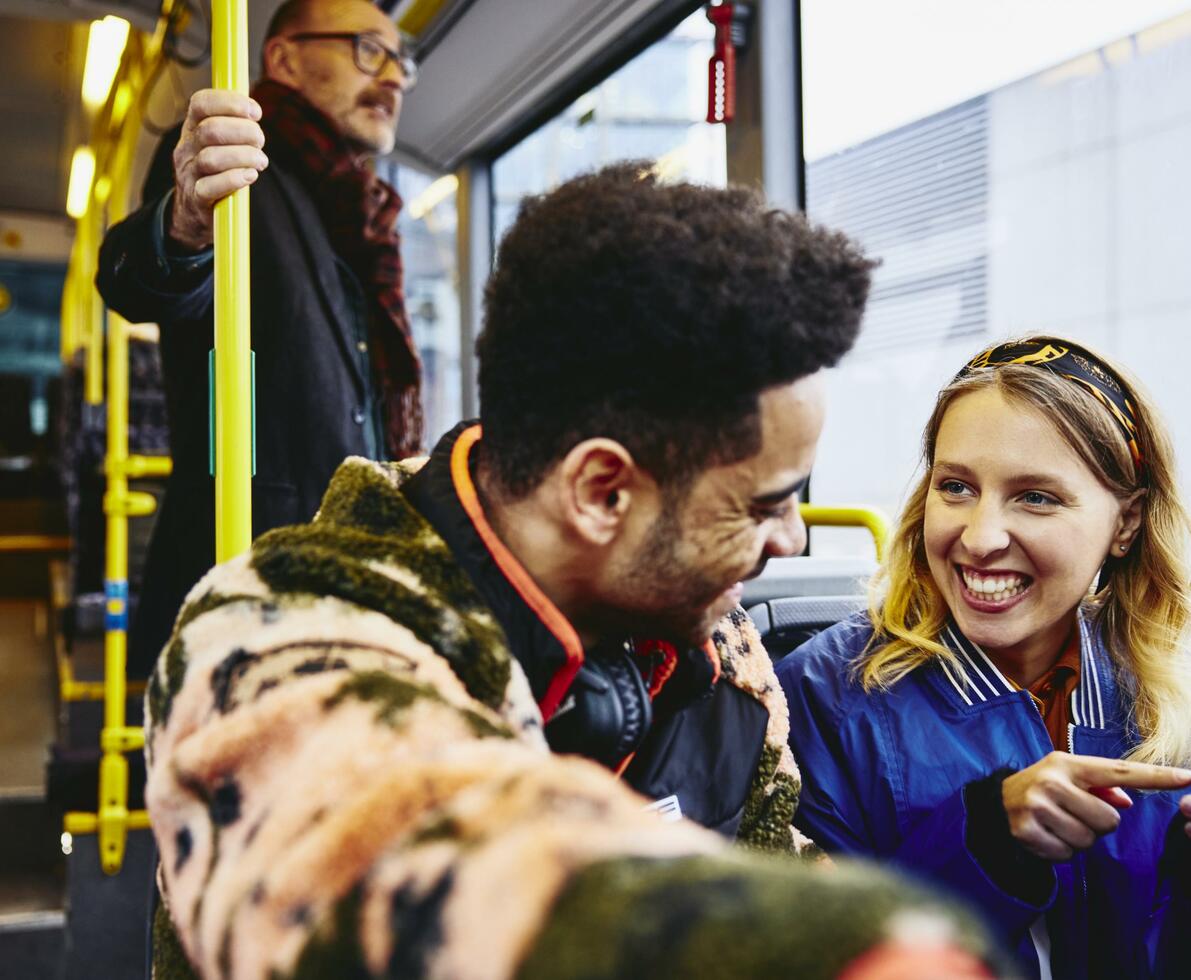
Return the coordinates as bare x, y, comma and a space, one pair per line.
1091, 772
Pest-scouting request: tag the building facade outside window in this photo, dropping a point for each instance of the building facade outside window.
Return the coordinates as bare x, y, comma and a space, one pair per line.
1019, 168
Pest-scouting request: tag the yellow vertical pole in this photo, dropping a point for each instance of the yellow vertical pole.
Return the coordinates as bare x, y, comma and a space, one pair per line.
118, 504
90, 309
233, 379
113, 768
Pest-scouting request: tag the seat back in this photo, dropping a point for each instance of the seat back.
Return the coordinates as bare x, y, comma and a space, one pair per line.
795, 598
808, 575
786, 623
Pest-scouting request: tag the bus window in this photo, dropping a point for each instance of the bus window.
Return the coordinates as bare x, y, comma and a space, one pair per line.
428, 225
1017, 167
654, 108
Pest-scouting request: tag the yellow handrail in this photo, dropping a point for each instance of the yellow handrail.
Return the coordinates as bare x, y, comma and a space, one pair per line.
417, 15
233, 370
71, 689
89, 823
53, 543
90, 309
118, 504
877, 523
136, 467
115, 135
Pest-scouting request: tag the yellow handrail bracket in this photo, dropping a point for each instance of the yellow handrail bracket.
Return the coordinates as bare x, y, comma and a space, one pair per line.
814, 515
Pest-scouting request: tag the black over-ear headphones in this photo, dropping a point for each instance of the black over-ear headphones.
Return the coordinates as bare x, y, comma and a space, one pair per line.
606, 712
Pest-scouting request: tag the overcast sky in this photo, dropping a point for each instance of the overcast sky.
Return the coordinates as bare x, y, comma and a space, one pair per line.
872, 65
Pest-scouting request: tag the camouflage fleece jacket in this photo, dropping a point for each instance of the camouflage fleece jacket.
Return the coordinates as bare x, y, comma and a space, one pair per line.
348, 777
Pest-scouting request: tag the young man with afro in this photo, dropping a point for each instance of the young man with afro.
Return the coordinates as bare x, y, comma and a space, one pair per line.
498, 713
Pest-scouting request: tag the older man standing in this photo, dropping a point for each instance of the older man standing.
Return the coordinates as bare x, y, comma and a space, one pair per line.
337, 373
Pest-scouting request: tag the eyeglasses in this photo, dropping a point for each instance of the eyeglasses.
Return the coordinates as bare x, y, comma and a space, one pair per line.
369, 53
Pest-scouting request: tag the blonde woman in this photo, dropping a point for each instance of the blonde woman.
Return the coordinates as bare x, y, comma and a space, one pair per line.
1009, 716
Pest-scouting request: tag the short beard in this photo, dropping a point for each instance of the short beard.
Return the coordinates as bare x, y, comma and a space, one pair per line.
364, 148
678, 612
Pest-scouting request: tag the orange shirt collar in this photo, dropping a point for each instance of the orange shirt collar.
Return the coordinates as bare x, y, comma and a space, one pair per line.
541, 605
515, 572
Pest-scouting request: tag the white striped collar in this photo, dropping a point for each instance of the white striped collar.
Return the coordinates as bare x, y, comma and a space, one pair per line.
1087, 703
976, 678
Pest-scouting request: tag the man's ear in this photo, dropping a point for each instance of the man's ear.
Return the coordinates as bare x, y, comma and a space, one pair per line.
596, 484
280, 61
1129, 522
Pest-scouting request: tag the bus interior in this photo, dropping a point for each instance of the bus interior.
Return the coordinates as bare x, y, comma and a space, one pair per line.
1015, 167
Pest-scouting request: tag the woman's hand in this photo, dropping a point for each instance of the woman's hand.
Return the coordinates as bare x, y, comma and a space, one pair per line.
1064, 803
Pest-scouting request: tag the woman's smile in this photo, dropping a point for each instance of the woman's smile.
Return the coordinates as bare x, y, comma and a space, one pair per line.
992, 591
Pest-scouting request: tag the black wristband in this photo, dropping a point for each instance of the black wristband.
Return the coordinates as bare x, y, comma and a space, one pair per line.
1010, 866
176, 267
1176, 854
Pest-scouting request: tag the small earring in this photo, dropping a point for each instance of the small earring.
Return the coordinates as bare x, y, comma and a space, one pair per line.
1124, 548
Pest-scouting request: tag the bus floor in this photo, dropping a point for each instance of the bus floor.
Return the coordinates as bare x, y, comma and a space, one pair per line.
61, 917
32, 882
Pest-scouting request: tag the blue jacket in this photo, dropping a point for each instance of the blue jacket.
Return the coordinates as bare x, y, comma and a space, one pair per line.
884, 773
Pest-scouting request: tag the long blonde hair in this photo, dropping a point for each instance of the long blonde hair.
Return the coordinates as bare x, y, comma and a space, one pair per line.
1143, 604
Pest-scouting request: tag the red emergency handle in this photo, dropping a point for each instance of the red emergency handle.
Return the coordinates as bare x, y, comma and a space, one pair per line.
721, 70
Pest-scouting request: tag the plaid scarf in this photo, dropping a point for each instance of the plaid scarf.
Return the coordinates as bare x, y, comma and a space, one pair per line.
359, 213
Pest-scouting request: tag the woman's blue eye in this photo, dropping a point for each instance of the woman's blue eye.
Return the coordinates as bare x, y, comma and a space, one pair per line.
1038, 498
952, 487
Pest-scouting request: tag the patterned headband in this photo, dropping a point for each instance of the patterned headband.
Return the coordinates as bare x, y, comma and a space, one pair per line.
1076, 364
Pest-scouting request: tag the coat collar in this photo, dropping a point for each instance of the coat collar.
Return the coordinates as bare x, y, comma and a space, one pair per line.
973, 679
540, 636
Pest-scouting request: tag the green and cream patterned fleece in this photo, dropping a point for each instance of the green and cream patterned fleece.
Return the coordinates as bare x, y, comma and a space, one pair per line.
348, 778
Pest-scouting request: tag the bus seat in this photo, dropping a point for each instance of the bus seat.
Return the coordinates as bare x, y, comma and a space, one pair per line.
808, 575
786, 623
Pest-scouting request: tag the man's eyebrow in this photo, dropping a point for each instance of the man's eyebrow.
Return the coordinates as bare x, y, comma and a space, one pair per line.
777, 496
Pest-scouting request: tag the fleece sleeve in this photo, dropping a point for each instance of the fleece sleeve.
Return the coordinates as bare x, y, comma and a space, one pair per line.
347, 778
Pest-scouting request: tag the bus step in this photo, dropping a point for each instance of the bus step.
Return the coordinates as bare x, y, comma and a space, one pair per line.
107, 916
32, 890
31, 944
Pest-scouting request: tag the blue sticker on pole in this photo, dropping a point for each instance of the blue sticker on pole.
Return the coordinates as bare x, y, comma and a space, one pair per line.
115, 615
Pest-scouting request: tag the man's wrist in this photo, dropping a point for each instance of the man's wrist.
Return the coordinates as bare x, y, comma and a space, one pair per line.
175, 262
178, 242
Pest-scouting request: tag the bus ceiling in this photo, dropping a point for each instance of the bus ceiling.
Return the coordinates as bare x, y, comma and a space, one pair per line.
487, 70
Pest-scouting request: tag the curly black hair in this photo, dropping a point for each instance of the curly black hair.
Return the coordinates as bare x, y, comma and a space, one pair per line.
654, 314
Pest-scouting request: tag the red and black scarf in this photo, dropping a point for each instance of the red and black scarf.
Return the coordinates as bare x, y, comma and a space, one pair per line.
359, 213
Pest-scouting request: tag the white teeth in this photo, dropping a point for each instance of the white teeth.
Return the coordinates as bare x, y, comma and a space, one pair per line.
996, 588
